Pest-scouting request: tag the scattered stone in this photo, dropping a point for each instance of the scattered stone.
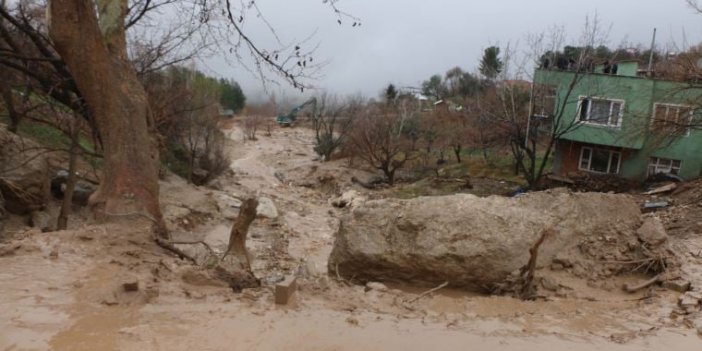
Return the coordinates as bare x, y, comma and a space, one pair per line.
352, 321
9, 249
131, 286
274, 278
54, 254
266, 208
41, 220
652, 232
284, 290
690, 302
110, 301
350, 198
679, 285
549, 285
376, 286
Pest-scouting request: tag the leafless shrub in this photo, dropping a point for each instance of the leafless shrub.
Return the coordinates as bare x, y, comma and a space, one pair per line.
377, 136
251, 124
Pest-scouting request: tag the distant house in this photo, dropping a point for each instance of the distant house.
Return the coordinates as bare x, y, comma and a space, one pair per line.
623, 122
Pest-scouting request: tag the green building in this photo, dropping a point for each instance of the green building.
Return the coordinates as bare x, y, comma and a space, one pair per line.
621, 122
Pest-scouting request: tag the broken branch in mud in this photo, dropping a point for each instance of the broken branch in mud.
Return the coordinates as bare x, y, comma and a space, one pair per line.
430, 291
634, 288
167, 245
526, 290
202, 242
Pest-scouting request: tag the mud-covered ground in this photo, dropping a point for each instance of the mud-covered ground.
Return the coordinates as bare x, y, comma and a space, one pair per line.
64, 290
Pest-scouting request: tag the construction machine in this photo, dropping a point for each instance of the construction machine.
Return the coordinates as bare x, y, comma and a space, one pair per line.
288, 119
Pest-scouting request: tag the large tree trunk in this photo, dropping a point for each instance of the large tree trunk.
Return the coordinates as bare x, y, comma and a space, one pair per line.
96, 56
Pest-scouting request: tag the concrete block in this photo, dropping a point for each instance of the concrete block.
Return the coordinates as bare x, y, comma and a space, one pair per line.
285, 289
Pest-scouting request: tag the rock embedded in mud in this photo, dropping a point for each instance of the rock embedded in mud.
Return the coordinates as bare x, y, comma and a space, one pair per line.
349, 198
652, 232
131, 286
266, 208
476, 243
376, 286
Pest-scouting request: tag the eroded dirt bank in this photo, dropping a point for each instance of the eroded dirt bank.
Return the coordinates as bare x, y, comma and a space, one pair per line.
64, 290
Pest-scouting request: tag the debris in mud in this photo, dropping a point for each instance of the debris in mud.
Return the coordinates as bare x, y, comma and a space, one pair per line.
662, 189
587, 181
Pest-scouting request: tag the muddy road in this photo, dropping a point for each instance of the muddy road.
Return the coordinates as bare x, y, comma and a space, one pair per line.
64, 290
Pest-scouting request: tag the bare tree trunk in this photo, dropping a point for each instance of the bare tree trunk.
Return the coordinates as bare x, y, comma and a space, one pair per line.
67, 204
15, 117
235, 266
457, 151
96, 55
240, 229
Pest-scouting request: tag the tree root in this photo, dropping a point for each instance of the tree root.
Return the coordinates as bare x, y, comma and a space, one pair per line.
430, 291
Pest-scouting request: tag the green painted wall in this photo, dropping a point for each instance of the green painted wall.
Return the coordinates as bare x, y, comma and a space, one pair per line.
639, 96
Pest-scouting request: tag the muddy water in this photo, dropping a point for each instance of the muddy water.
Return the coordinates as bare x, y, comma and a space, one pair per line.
35, 293
217, 327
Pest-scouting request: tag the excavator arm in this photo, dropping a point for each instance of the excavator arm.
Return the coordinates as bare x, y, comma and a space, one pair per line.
288, 119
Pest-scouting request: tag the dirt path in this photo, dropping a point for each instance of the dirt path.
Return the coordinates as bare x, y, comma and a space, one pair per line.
63, 291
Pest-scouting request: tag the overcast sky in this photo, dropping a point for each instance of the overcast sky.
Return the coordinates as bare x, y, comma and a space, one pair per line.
406, 41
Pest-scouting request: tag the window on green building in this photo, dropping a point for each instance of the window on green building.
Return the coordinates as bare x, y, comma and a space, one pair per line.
671, 119
598, 111
599, 160
663, 165
544, 100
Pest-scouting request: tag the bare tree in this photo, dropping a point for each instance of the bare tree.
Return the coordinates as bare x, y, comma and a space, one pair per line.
331, 120
377, 136
532, 146
250, 126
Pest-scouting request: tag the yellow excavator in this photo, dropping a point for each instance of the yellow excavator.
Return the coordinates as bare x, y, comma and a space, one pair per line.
288, 119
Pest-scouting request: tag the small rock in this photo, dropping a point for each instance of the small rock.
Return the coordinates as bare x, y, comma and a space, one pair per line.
274, 278
652, 232
110, 301
376, 286
352, 321
131, 286
557, 267
678, 285
549, 284
41, 220
266, 208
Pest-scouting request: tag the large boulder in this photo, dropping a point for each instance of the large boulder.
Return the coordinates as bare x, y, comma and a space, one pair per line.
476, 243
24, 174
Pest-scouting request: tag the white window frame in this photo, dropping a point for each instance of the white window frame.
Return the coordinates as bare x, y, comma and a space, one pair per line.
677, 107
658, 168
609, 124
609, 161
